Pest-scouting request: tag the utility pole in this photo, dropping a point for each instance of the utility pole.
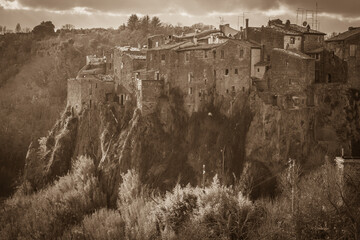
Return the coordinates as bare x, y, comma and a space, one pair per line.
203, 176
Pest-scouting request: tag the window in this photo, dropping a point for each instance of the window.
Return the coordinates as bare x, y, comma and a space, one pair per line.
156, 44
205, 81
157, 75
151, 57
205, 54
227, 90
190, 91
292, 40
162, 57
290, 82
187, 57
190, 75
214, 73
268, 58
226, 72
352, 50
95, 85
286, 63
241, 53
200, 94
258, 69
222, 54
243, 89
233, 88
90, 103
214, 53
236, 71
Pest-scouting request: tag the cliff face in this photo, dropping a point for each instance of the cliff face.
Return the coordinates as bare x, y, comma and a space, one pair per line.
169, 146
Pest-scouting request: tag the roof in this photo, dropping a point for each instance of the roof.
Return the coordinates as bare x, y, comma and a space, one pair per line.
281, 29
136, 56
317, 50
199, 34
169, 46
262, 64
345, 35
199, 47
304, 30
127, 49
294, 29
293, 53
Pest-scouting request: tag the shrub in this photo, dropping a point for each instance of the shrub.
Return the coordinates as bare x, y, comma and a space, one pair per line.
102, 224
47, 213
136, 208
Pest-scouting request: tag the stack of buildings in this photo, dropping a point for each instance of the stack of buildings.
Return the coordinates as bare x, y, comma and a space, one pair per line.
281, 61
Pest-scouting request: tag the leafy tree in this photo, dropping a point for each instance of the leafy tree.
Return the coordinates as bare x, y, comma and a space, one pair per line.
44, 28
155, 22
133, 22
18, 28
68, 27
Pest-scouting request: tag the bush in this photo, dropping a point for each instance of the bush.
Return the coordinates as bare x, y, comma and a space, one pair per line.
102, 224
49, 212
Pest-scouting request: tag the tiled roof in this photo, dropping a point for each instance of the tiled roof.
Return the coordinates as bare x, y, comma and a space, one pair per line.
345, 35
198, 47
294, 29
262, 63
198, 35
293, 53
136, 56
169, 46
317, 50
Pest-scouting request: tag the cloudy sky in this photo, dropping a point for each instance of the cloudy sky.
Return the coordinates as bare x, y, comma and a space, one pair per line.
333, 15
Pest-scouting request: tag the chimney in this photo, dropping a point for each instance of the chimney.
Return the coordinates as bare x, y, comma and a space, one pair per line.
246, 29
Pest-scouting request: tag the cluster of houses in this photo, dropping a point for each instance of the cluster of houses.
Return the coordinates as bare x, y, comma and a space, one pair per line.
281, 61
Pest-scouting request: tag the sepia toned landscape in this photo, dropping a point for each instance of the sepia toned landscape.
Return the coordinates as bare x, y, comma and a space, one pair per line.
243, 122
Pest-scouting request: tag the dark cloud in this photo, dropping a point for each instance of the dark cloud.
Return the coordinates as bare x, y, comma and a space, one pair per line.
347, 8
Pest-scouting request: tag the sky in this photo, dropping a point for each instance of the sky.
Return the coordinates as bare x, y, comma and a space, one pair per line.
333, 15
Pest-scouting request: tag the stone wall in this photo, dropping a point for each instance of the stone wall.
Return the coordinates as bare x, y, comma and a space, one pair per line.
313, 41
291, 72
292, 42
151, 90
74, 94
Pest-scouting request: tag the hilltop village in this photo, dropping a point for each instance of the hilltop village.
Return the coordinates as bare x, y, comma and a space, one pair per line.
284, 62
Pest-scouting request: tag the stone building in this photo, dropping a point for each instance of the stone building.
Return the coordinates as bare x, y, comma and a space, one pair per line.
286, 36
291, 74
128, 60
202, 71
346, 46
329, 68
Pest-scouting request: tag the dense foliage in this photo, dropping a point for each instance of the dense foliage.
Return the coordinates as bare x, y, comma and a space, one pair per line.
74, 207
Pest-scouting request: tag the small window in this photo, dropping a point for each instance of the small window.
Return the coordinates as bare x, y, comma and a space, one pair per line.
236, 71
258, 69
292, 40
189, 76
352, 50
190, 91
226, 72
233, 88
241, 53
205, 81
162, 57
90, 103
227, 90
290, 82
187, 57
268, 58
205, 54
156, 44
95, 85
214, 53
200, 94
157, 75
243, 89
222, 54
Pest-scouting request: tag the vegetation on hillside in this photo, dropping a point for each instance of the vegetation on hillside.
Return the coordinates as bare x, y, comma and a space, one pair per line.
74, 207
